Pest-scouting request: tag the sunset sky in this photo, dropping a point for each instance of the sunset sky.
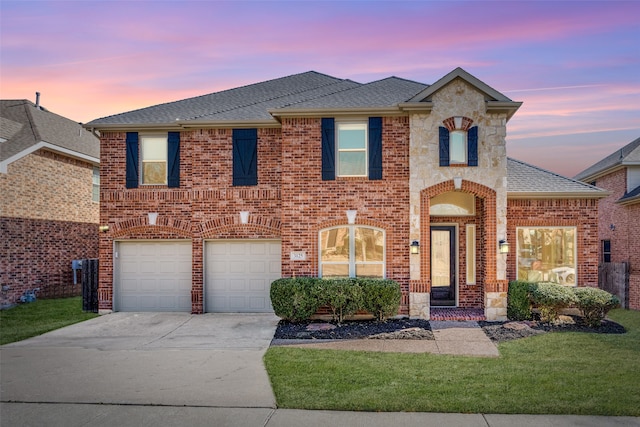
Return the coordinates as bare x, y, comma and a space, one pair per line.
574, 64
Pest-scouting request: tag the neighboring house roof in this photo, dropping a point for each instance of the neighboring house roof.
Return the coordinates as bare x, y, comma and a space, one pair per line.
309, 93
27, 128
528, 181
627, 155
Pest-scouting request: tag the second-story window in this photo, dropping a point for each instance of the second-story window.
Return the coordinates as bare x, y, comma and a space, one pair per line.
352, 148
154, 159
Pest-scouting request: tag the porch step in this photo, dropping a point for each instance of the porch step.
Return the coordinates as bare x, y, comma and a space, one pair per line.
455, 313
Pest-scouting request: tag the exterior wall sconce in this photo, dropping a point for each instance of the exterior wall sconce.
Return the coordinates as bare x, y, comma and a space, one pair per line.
414, 247
612, 227
103, 228
244, 217
351, 216
457, 182
504, 247
153, 216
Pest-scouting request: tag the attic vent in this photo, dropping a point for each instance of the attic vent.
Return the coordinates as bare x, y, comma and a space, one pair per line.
38, 100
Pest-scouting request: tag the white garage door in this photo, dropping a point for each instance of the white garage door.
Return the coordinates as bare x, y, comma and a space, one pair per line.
153, 276
238, 275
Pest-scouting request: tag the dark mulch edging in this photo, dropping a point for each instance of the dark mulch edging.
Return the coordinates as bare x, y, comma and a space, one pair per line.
510, 330
421, 329
352, 329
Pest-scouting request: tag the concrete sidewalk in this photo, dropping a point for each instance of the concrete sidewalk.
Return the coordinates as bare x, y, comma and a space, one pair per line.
454, 338
77, 415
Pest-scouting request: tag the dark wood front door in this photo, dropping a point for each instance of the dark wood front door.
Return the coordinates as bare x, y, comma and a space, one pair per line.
443, 265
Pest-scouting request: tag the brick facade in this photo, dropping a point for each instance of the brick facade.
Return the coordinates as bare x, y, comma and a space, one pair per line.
619, 224
579, 213
47, 219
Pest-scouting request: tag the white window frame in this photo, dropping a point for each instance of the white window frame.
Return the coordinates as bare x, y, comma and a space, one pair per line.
143, 160
364, 150
352, 250
95, 180
465, 145
547, 275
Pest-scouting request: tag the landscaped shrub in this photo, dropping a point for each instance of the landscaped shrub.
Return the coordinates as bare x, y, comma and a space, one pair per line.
550, 298
595, 304
298, 298
380, 297
519, 300
295, 299
343, 296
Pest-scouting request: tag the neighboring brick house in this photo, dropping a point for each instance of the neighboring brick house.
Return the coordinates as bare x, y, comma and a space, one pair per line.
49, 200
619, 215
209, 199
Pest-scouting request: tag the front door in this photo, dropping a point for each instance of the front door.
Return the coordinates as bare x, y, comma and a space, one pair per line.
443, 265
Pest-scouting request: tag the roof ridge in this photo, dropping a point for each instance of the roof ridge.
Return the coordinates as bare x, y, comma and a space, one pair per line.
614, 159
163, 104
284, 95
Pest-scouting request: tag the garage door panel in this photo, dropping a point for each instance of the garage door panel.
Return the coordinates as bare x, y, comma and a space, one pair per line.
238, 275
153, 276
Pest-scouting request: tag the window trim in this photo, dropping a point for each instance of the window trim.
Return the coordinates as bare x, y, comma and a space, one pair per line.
353, 263
576, 253
365, 150
142, 160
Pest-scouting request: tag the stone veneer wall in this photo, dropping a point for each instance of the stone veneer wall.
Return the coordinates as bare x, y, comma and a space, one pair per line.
458, 99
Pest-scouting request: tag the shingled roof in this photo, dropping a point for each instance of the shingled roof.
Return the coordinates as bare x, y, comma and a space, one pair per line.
27, 128
627, 155
528, 181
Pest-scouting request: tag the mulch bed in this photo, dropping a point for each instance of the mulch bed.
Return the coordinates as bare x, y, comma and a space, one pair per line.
421, 329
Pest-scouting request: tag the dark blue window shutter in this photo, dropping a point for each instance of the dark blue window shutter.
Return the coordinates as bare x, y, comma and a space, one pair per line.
444, 146
375, 147
328, 149
472, 146
132, 160
173, 157
245, 157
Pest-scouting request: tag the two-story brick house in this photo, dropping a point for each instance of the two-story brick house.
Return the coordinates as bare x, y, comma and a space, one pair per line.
619, 173
209, 199
49, 206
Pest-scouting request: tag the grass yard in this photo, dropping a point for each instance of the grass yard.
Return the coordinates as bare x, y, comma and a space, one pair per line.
554, 373
36, 318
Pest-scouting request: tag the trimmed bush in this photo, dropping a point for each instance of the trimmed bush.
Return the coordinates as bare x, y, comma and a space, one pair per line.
519, 300
381, 297
295, 299
343, 296
595, 304
550, 298
298, 298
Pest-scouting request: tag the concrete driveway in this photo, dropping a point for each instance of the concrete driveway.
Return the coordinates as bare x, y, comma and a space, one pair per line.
173, 359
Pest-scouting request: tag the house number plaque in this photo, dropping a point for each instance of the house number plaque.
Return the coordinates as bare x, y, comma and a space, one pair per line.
298, 256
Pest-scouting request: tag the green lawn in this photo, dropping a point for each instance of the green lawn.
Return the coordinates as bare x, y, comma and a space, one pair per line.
554, 373
36, 318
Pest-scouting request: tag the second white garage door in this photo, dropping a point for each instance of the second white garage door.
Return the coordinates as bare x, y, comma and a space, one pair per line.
238, 274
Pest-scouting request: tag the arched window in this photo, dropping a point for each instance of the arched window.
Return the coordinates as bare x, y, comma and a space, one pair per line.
453, 203
352, 251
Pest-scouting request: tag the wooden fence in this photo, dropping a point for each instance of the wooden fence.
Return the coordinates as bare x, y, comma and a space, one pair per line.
613, 277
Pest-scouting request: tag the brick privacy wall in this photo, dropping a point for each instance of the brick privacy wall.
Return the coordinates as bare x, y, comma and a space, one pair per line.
205, 206
46, 185
626, 219
310, 204
38, 253
579, 213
